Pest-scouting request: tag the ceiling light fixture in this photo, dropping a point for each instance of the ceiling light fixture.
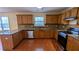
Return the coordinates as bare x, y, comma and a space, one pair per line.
39, 7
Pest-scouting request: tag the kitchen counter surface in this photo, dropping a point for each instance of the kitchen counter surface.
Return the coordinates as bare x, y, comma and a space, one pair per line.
61, 30
8, 32
74, 36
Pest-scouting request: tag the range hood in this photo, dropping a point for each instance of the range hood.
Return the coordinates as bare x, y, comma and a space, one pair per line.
71, 18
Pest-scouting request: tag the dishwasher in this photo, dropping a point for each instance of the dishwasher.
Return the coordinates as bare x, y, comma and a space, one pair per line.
30, 34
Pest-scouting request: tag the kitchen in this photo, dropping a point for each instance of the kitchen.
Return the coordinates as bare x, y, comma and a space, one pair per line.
40, 25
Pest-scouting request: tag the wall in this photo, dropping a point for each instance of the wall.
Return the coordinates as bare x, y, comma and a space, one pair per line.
12, 20
73, 22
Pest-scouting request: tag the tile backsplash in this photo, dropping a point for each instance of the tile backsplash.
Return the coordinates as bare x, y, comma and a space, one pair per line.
31, 27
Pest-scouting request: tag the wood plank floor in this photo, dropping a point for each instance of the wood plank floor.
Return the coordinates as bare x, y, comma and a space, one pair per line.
38, 45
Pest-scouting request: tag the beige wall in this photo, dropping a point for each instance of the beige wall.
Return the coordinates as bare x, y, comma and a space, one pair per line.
12, 20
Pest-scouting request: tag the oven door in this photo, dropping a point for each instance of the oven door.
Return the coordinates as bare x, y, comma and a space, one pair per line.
62, 39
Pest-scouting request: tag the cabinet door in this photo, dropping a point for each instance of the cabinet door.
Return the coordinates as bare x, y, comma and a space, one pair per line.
19, 19
39, 33
78, 17
49, 34
7, 42
24, 34
74, 11
51, 19
30, 20
72, 44
62, 18
25, 19
48, 19
59, 19
68, 14
15, 39
63, 21
54, 19
20, 35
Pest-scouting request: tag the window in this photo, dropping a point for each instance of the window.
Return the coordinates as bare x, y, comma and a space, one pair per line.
4, 23
0, 26
39, 21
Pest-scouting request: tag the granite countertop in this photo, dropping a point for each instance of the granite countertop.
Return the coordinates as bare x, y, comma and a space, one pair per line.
61, 30
8, 32
74, 36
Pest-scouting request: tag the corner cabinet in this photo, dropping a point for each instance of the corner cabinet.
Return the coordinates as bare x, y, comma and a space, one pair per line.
10, 41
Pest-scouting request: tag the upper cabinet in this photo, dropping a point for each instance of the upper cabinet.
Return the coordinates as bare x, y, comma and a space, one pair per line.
24, 19
48, 19
51, 19
59, 19
68, 14
74, 12
19, 19
78, 17
30, 20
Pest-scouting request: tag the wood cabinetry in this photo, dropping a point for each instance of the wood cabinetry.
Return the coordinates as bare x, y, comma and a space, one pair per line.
44, 34
68, 14
11, 41
19, 19
24, 34
78, 17
30, 20
59, 19
24, 19
51, 19
72, 44
74, 12
63, 21
7, 42
16, 39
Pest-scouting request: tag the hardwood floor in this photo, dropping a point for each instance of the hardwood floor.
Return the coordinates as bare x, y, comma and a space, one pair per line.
38, 45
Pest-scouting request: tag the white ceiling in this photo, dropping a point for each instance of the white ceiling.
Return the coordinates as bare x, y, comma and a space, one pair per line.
31, 9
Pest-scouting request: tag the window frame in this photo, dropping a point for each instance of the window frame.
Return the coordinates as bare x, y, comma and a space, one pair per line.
39, 21
5, 23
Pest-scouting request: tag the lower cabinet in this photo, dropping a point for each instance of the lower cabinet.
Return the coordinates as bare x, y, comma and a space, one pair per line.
11, 41
72, 44
24, 34
44, 34
7, 42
